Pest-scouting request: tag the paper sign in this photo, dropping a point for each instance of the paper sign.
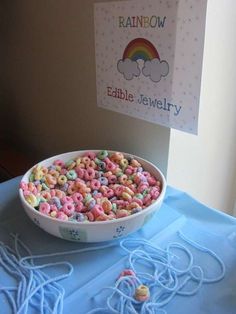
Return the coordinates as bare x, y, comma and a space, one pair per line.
149, 59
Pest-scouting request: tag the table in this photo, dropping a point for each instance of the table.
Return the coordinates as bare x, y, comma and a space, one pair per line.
94, 270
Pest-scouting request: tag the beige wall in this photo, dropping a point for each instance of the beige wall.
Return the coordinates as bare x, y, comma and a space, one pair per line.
49, 88
205, 165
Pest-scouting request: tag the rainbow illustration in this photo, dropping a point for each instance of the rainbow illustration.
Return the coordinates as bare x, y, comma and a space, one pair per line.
140, 48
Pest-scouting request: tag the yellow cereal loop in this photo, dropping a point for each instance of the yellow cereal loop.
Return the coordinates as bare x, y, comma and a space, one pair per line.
38, 175
78, 161
124, 163
126, 196
32, 200
37, 168
62, 180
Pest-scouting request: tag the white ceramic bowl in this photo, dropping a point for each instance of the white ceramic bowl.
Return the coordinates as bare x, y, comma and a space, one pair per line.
99, 230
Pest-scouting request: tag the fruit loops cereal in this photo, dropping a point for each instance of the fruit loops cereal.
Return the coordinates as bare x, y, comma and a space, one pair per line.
92, 187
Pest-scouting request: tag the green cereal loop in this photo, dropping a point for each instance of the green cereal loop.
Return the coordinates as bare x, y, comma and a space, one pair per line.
42, 180
119, 174
102, 154
123, 168
69, 162
71, 175
114, 207
42, 199
139, 195
145, 192
31, 177
45, 187
87, 198
97, 161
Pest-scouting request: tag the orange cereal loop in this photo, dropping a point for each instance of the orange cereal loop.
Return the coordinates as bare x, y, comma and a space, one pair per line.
92, 164
46, 195
107, 174
129, 191
123, 179
39, 187
72, 165
84, 190
107, 206
44, 170
85, 160
59, 193
135, 163
129, 183
81, 165
54, 173
119, 155
79, 184
102, 217
133, 205
31, 186
50, 180
71, 189
120, 213
116, 157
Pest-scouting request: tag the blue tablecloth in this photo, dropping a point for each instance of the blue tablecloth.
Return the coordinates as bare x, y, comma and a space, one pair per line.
94, 270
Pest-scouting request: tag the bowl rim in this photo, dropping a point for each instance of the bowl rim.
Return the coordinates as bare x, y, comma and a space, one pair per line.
94, 223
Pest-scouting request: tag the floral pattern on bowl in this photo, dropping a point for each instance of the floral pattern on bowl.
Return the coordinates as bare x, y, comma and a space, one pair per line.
76, 235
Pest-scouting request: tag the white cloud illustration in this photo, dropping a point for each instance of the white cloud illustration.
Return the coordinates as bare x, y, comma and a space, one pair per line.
155, 69
128, 68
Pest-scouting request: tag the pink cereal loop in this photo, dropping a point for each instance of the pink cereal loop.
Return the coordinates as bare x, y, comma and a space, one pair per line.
79, 206
62, 216
80, 172
110, 166
89, 174
112, 179
77, 197
90, 216
97, 210
66, 199
152, 181
44, 208
108, 193
68, 209
95, 184
23, 186
59, 162
142, 187
90, 155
